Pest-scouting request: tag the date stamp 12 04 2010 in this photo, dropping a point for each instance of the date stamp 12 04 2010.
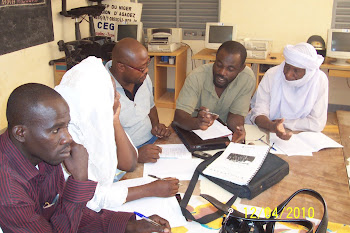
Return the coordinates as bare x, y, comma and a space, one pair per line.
290, 212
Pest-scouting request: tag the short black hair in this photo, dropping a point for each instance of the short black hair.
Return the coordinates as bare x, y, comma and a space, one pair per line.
23, 99
234, 47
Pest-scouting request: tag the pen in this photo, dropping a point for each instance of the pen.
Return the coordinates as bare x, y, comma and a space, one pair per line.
147, 219
198, 110
47, 204
260, 139
158, 178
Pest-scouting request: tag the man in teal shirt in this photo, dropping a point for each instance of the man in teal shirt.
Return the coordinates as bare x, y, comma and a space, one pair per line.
224, 87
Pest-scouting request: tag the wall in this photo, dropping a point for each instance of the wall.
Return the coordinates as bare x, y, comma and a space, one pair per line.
32, 64
285, 22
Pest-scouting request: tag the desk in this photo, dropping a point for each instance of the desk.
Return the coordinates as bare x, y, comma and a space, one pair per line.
324, 171
260, 66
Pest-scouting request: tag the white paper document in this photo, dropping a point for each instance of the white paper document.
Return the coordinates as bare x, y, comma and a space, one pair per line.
302, 143
216, 130
176, 151
181, 169
254, 135
238, 163
167, 208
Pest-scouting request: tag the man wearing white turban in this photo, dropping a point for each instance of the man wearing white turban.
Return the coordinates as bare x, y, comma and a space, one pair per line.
292, 96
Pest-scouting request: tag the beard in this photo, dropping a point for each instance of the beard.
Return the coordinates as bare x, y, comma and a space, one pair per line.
220, 81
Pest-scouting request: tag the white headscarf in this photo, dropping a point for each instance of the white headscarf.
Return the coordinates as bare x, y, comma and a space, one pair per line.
89, 92
295, 99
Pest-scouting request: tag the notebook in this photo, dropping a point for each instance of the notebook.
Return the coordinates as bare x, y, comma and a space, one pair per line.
239, 163
193, 142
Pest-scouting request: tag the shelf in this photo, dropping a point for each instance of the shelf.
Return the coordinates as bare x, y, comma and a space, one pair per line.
166, 100
165, 65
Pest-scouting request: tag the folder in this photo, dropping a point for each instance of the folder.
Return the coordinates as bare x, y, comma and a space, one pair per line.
193, 142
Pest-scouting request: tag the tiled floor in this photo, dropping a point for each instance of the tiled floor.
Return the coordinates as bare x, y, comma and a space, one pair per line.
166, 115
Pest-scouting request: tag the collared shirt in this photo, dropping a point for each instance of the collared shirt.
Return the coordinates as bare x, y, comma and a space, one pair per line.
134, 113
199, 90
24, 191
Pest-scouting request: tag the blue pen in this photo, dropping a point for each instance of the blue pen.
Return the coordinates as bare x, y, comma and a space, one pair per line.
260, 139
147, 219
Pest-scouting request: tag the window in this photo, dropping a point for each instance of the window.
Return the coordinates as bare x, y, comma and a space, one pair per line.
190, 15
341, 14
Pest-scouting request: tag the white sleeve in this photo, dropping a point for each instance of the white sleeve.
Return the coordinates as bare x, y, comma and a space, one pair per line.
260, 103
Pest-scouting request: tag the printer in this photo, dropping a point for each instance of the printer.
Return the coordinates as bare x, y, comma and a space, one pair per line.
164, 39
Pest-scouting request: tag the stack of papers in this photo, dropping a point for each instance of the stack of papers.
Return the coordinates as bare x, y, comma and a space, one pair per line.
175, 151
181, 169
167, 208
238, 164
216, 130
302, 143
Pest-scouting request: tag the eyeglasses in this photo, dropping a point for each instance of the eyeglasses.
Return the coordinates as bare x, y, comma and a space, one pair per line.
138, 69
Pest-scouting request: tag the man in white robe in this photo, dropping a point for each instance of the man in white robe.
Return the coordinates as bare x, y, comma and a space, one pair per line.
292, 96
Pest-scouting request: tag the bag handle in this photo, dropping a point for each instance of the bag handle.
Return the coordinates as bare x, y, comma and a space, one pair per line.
270, 222
184, 202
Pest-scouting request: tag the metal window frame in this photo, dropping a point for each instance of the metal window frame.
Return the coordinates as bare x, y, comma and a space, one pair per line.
194, 28
341, 14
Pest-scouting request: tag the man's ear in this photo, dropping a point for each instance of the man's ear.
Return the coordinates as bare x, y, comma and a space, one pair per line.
18, 132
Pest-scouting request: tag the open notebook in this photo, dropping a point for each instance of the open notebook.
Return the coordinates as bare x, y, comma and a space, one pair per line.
238, 164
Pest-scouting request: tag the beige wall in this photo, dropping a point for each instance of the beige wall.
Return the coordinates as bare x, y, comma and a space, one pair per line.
284, 22
31, 64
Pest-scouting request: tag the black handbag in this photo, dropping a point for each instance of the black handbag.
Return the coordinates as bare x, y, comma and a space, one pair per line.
236, 221
271, 172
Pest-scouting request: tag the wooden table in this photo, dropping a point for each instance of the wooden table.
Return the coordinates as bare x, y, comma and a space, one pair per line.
324, 172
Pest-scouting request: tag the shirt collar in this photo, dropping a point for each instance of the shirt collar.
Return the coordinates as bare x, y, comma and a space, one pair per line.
130, 95
19, 162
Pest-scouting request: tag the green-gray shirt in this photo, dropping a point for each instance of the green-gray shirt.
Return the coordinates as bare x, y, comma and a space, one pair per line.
199, 90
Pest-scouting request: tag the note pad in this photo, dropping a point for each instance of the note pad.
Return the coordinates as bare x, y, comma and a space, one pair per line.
238, 164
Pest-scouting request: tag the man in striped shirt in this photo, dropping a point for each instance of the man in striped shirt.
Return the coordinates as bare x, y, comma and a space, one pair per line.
34, 196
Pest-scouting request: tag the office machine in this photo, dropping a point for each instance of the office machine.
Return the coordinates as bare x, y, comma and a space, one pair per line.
257, 44
133, 30
338, 46
257, 48
218, 33
164, 39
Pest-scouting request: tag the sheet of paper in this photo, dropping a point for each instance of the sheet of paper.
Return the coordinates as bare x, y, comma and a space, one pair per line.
216, 130
182, 169
177, 151
238, 164
168, 208
303, 143
254, 135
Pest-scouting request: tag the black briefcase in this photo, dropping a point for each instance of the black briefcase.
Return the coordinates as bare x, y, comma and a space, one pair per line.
273, 170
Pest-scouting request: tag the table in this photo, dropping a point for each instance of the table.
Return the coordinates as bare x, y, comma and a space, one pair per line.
260, 66
324, 171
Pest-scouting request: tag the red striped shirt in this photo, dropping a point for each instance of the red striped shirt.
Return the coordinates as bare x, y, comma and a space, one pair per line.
24, 190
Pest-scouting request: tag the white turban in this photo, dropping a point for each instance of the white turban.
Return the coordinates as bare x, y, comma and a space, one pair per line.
295, 99
302, 55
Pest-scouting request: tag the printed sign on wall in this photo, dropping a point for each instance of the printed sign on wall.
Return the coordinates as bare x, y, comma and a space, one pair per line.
116, 12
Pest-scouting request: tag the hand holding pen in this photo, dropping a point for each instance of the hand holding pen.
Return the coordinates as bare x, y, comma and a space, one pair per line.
153, 223
205, 118
166, 187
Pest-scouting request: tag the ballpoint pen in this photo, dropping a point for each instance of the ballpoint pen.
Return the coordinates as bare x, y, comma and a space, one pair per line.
147, 219
260, 139
158, 178
198, 110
